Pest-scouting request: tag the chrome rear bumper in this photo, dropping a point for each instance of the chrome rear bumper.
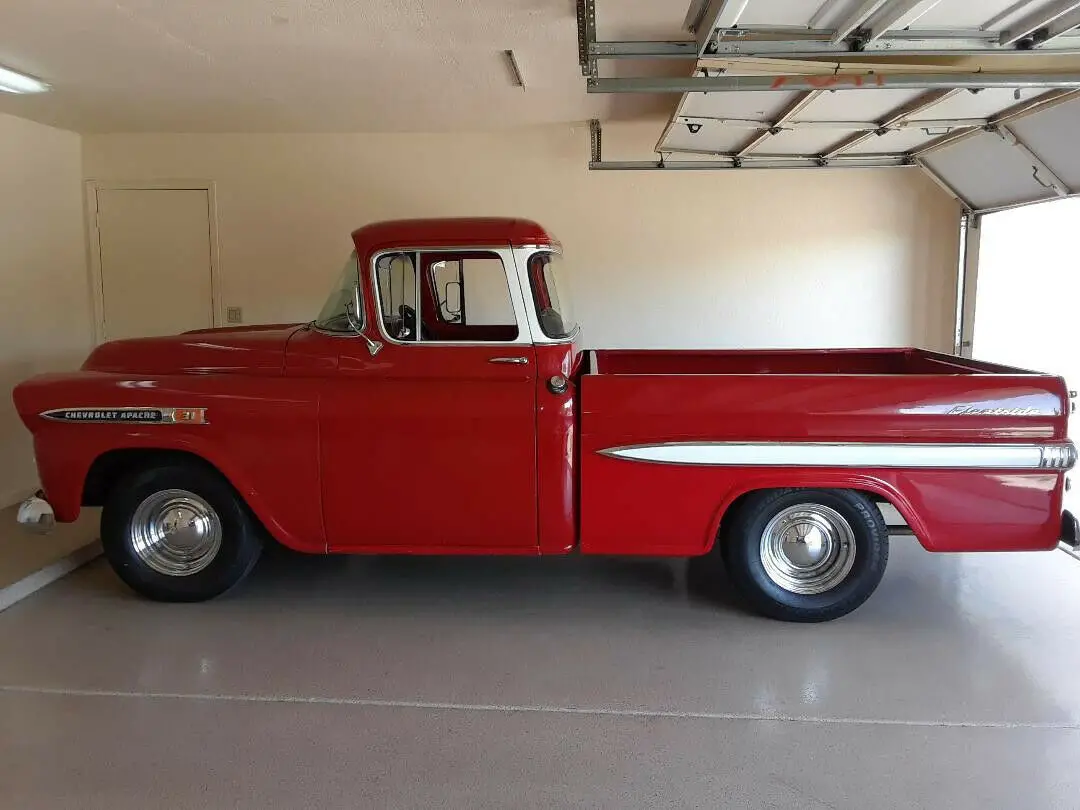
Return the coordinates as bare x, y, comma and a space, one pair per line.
36, 514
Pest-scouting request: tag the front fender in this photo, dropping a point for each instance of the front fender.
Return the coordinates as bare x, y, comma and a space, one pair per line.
64, 466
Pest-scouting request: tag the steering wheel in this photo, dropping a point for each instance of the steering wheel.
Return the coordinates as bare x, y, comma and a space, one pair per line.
409, 323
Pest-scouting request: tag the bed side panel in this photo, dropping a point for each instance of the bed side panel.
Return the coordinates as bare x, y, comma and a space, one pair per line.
645, 507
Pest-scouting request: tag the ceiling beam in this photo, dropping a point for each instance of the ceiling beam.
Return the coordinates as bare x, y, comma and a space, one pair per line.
1039, 18
856, 19
717, 14
893, 43
793, 109
841, 82
899, 14
923, 102
643, 50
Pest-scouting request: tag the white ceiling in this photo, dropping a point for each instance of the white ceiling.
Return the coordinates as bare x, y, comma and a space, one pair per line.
313, 65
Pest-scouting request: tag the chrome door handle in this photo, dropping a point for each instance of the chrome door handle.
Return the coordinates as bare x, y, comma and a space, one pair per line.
515, 361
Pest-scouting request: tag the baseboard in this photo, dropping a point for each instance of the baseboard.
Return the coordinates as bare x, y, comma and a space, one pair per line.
49, 574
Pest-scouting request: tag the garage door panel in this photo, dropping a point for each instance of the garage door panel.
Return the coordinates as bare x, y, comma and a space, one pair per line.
981, 104
988, 172
894, 141
754, 105
1053, 135
812, 141
970, 14
873, 105
711, 138
783, 12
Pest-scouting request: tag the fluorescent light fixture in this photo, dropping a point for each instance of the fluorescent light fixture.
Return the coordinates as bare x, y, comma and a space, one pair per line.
12, 82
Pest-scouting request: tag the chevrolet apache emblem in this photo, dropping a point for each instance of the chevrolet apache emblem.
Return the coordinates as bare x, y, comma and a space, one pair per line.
133, 416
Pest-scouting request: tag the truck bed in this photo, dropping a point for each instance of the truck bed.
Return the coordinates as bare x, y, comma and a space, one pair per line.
670, 439
786, 361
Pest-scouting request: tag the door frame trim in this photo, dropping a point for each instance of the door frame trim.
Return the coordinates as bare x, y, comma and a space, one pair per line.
969, 285
93, 240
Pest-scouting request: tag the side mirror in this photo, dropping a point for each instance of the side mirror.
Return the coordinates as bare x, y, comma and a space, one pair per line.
452, 304
352, 310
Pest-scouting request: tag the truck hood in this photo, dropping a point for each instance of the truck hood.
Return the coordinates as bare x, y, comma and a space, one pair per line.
256, 350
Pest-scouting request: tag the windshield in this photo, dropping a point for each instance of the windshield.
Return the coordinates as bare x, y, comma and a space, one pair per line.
551, 295
334, 316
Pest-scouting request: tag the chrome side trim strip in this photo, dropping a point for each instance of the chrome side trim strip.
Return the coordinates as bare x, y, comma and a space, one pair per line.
1059, 456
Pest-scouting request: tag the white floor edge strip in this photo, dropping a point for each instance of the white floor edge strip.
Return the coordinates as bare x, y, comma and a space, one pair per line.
536, 709
18, 591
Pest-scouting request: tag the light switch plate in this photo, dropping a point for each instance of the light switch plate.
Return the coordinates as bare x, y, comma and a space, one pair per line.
234, 315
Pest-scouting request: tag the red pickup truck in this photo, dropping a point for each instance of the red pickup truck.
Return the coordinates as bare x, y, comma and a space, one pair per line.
442, 403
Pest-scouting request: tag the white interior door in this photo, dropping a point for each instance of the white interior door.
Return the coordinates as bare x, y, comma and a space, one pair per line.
155, 268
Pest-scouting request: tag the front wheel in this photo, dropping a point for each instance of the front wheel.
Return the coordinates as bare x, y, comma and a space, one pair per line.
178, 533
804, 555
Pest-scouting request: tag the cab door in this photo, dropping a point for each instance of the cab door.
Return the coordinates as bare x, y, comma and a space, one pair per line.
430, 445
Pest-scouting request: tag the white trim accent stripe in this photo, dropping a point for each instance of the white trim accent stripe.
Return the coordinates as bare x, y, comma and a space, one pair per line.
1002, 456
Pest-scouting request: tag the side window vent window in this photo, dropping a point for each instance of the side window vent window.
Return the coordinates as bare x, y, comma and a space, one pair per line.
463, 297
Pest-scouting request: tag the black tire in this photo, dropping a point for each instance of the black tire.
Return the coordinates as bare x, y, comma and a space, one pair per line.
240, 540
741, 549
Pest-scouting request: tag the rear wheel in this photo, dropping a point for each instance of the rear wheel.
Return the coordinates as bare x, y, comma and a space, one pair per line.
806, 555
178, 533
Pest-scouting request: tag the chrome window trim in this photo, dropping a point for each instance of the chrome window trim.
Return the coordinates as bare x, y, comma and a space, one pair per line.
506, 256
1050, 456
524, 253
359, 288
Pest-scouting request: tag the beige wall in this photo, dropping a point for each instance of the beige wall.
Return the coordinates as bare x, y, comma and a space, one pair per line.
797, 258
44, 299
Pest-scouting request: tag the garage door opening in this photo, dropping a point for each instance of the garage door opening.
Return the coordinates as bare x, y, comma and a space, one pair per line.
1028, 294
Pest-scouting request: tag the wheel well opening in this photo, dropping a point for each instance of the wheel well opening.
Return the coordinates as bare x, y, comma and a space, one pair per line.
114, 465
894, 518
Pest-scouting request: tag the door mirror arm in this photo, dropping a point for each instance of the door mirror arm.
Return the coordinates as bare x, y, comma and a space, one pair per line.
351, 310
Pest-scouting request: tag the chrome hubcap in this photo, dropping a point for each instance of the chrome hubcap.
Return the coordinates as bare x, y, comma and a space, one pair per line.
808, 548
176, 533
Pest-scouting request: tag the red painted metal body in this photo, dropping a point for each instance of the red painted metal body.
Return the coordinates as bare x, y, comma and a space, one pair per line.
434, 449
820, 397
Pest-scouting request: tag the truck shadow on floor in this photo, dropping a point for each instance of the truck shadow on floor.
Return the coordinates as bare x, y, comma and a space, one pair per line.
484, 581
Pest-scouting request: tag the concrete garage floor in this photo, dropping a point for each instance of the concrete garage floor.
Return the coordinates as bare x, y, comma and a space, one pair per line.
511, 683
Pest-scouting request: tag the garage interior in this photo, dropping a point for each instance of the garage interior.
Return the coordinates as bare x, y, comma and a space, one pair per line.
741, 173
